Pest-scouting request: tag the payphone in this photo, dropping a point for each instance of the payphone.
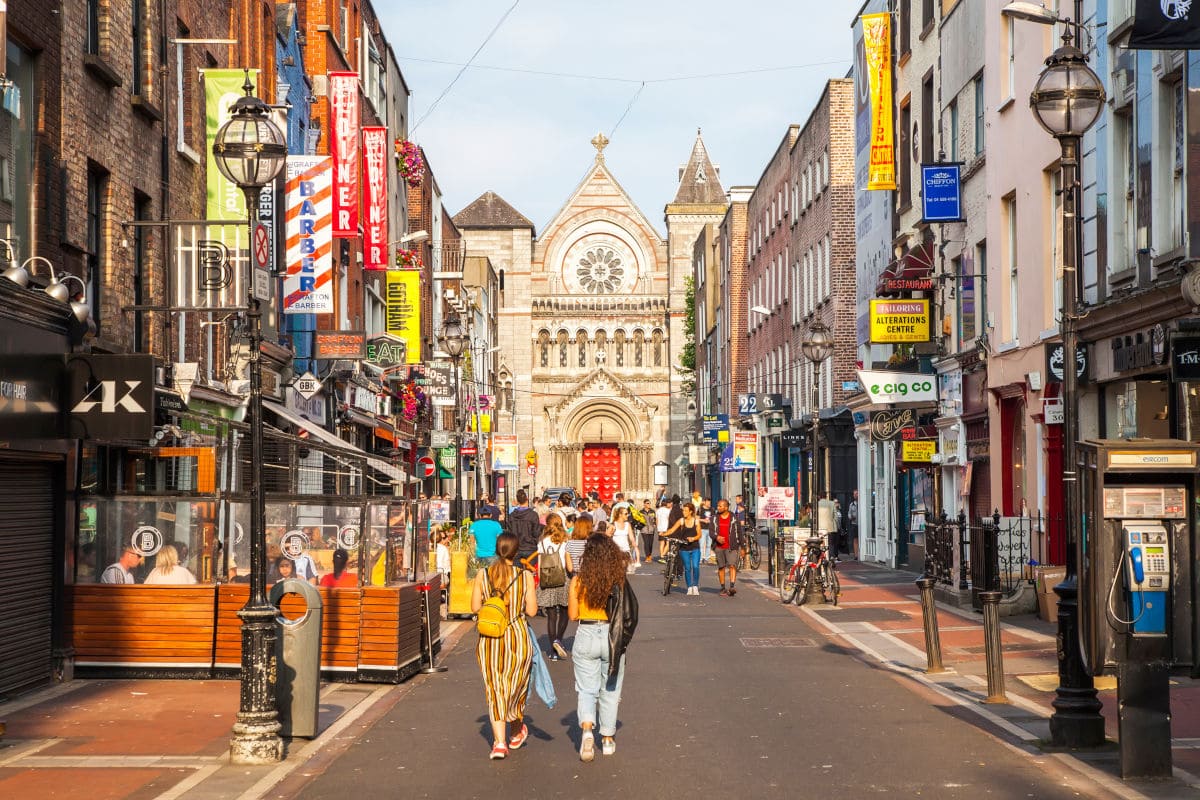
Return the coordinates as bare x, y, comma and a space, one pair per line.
1137, 583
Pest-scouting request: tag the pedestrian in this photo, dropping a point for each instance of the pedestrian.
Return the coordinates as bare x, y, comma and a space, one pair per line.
705, 512
852, 524
649, 518
662, 521
835, 535
340, 577
524, 523
121, 570
577, 541
485, 531
606, 608
618, 501
168, 570
728, 543
507, 660
552, 600
688, 530
623, 535
596, 509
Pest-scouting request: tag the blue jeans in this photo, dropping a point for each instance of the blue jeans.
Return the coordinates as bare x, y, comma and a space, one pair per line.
590, 654
691, 566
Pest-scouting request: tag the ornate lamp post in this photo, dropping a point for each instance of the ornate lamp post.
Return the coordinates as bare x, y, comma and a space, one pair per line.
1066, 101
249, 151
816, 348
453, 340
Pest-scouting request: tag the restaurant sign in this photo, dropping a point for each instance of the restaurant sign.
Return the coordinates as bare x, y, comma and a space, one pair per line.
386, 351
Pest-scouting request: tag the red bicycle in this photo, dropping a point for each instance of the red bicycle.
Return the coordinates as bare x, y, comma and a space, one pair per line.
813, 568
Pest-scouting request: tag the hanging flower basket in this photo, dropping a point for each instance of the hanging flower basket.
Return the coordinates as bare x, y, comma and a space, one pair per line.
412, 401
408, 259
409, 162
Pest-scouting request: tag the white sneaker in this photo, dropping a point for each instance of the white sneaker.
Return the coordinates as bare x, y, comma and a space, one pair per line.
587, 747
608, 746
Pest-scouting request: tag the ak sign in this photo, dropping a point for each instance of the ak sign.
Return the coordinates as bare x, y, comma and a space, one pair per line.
85, 396
898, 387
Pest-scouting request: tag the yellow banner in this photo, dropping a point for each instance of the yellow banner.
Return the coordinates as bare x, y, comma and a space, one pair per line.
921, 450
403, 300
895, 321
877, 45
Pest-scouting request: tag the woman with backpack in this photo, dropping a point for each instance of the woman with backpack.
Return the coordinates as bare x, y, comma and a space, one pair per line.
601, 599
554, 564
505, 652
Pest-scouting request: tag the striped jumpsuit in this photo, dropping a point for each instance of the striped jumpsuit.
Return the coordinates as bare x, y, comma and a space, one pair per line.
507, 661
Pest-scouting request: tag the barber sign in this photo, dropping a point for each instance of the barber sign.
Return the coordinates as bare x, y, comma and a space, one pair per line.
308, 283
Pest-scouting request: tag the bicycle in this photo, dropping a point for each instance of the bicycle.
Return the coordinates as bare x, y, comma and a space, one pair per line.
672, 566
813, 565
751, 557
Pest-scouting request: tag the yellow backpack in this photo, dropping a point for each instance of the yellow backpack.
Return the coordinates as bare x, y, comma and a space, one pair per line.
492, 618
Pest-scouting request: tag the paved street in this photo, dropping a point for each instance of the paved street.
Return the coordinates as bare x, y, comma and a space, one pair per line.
724, 696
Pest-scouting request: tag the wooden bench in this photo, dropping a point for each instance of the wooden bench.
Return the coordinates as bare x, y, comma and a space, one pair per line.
141, 626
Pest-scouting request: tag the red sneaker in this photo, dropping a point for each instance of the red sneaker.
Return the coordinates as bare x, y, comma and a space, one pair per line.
518, 739
499, 751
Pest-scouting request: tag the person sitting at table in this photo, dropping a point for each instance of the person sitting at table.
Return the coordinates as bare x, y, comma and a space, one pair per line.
340, 577
167, 569
119, 571
281, 570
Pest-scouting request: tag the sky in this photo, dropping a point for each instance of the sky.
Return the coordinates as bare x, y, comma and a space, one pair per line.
527, 136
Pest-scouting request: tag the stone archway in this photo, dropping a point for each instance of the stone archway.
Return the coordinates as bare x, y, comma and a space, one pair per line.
605, 423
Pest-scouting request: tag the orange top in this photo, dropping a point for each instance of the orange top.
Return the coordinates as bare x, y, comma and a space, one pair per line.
586, 611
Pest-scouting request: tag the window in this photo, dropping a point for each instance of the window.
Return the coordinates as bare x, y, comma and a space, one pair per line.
658, 348
808, 283
619, 347
926, 13
828, 266
904, 157
1011, 44
92, 36
562, 348
954, 130
825, 169
97, 190
1177, 150
639, 341
928, 156
544, 349
1010, 243
344, 26
581, 343
138, 29
904, 45
819, 275
1125, 151
141, 212
979, 122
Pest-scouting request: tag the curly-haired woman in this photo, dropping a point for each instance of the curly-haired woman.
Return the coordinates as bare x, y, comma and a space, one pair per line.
600, 598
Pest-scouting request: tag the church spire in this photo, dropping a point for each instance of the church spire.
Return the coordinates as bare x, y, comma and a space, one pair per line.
599, 141
699, 180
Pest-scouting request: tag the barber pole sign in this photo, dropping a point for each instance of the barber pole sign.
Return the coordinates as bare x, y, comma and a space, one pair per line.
308, 283
343, 111
375, 210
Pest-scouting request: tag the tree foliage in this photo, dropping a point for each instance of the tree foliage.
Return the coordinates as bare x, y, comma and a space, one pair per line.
687, 354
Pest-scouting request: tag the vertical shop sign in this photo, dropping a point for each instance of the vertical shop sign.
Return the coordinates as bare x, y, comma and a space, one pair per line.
877, 43
375, 209
403, 301
222, 87
308, 283
343, 111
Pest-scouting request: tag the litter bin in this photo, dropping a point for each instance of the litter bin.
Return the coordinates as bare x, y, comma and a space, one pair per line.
298, 660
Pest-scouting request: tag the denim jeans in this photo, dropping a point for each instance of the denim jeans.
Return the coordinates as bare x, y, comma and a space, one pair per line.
691, 566
590, 655
705, 547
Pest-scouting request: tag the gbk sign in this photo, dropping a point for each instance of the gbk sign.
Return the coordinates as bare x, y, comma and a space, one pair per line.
105, 397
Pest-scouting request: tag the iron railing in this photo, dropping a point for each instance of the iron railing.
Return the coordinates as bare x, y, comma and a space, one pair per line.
992, 554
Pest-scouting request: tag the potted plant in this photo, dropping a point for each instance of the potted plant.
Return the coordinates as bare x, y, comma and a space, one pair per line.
409, 162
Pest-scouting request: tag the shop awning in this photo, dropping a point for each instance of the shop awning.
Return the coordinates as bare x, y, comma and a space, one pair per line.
912, 272
328, 438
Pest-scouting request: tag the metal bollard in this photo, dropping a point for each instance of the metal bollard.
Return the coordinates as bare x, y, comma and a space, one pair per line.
432, 668
933, 641
991, 646
298, 660
777, 549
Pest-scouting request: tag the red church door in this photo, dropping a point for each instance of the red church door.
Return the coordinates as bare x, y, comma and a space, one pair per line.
601, 469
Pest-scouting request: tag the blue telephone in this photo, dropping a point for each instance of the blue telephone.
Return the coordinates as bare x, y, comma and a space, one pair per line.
1148, 576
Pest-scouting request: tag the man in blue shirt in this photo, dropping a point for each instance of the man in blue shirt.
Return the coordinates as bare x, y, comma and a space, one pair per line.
485, 530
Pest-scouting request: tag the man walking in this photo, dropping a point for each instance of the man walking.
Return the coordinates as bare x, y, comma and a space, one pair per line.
524, 523
727, 544
705, 512
852, 525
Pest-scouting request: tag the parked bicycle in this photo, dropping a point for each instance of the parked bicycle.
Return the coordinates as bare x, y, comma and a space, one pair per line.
673, 568
813, 568
751, 557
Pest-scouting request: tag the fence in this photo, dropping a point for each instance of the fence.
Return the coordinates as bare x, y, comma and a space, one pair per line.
993, 554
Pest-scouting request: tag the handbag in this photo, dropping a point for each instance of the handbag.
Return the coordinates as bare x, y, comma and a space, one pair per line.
492, 618
551, 573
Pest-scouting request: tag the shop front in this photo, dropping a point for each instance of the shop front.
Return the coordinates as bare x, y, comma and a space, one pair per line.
162, 555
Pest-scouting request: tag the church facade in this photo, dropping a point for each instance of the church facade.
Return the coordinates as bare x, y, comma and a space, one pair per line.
591, 323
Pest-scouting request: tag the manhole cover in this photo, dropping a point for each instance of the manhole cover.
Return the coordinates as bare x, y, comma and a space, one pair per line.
844, 614
793, 641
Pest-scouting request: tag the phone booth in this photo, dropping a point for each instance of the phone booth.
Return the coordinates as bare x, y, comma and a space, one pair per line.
1137, 583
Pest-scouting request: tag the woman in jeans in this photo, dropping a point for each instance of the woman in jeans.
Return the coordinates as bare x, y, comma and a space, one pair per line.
602, 569
688, 530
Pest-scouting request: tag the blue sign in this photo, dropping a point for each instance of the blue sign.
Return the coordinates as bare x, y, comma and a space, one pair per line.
714, 425
941, 193
726, 464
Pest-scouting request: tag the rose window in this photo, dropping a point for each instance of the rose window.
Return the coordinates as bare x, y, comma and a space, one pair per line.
600, 271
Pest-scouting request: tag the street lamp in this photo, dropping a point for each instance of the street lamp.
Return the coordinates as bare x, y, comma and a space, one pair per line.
453, 340
1066, 101
249, 150
816, 348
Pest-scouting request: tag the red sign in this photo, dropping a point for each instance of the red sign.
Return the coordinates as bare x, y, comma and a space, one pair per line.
340, 344
425, 467
262, 246
468, 449
343, 112
375, 209
531, 469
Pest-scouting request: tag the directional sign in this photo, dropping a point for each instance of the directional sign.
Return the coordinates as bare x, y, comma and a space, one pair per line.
307, 385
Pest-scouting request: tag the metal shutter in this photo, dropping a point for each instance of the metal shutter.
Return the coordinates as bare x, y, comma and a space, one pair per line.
26, 574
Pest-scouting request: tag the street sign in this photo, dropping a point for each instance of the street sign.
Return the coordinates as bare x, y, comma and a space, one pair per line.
262, 246
531, 469
425, 467
307, 385
468, 449
439, 438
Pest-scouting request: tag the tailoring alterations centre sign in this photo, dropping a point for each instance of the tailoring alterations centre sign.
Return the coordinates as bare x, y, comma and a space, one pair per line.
894, 321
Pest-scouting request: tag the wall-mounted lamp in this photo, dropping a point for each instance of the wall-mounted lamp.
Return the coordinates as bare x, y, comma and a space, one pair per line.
20, 274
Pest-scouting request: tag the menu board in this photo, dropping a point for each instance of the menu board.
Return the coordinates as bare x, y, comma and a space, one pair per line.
1145, 502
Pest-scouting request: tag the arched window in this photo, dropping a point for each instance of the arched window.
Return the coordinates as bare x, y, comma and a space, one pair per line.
602, 353
581, 339
658, 347
619, 347
639, 341
544, 348
562, 348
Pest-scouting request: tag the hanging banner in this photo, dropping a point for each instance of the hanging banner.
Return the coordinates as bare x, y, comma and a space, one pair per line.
1164, 25
403, 299
504, 451
222, 87
375, 207
745, 450
308, 282
877, 43
343, 119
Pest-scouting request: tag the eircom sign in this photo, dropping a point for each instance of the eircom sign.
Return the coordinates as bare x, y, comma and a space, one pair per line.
898, 387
